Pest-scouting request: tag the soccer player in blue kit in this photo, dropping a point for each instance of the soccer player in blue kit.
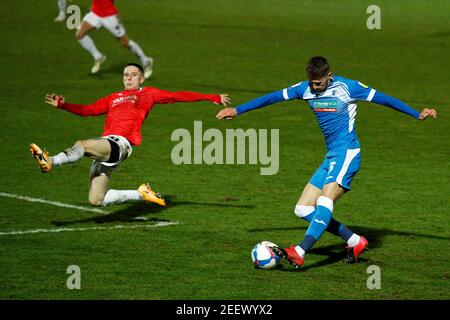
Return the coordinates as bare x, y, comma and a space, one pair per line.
333, 101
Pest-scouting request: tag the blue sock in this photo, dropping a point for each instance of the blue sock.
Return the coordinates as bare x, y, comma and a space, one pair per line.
317, 227
343, 231
307, 243
334, 227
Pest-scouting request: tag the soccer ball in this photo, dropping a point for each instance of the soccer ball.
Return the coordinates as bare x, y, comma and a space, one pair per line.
263, 257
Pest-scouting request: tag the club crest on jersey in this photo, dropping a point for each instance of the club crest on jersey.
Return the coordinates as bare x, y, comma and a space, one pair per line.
324, 105
363, 85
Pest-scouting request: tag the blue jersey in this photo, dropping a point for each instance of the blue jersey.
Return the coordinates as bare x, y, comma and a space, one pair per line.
334, 108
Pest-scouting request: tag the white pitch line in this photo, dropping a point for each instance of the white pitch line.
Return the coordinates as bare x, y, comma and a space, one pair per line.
53, 203
120, 226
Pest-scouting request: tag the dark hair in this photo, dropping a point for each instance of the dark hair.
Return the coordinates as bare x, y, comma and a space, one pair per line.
317, 67
137, 65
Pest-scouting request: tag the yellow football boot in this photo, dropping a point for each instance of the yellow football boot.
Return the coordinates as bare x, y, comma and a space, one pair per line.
45, 165
151, 196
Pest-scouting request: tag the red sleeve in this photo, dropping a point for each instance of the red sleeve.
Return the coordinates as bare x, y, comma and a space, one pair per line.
163, 96
99, 107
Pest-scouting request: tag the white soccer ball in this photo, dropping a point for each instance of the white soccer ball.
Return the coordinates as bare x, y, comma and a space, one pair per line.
263, 257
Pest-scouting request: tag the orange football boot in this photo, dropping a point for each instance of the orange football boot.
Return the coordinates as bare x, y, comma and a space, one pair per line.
45, 164
151, 196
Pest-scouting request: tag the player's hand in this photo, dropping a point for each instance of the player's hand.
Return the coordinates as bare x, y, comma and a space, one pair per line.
427, 113
227, 113
224, 100
54, 100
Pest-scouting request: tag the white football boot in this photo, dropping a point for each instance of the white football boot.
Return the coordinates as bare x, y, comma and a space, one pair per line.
97, 64
148, 68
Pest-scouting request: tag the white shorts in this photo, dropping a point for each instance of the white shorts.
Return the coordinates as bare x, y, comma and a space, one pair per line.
106, 168
112, 23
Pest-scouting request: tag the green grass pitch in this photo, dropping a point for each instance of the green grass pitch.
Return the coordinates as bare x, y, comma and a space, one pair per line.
400, 197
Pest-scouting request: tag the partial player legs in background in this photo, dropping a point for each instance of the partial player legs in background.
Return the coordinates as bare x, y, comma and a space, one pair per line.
146, 61
62, 6
88, 44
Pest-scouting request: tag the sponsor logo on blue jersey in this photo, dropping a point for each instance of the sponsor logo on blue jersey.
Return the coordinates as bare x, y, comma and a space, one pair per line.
324, 105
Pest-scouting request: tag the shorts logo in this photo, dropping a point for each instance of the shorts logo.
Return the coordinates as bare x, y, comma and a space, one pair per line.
332, 164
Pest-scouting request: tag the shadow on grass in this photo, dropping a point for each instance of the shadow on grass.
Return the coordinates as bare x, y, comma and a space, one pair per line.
335, 252
228, 203
128, 214
134, 212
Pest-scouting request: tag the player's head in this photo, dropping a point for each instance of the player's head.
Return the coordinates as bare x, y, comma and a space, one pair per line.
319, 73
133, 76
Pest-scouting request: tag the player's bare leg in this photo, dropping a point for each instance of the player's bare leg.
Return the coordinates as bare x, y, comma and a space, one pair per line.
87, 43
332, 191
98, 187
97, 149
147, 62
309, 195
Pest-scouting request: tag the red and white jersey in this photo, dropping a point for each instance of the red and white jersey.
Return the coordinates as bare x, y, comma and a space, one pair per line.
126, 111
104, 8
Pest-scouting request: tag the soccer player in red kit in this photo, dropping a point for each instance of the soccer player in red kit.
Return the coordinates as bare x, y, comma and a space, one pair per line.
104, 13
125, 113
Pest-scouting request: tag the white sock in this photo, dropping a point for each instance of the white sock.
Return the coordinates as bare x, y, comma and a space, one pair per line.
300, 251
119, 196
69, 155
136, 49
62, 5
88, 44
353, 241
303, 211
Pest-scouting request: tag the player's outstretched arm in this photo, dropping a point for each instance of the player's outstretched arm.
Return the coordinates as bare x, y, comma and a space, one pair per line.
227, 113
166, 97
427, 113
268, 99
224, 100
391, 102
97, 108
54, 100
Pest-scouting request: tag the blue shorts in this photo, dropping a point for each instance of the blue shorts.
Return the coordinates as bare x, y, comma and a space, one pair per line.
338, 166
